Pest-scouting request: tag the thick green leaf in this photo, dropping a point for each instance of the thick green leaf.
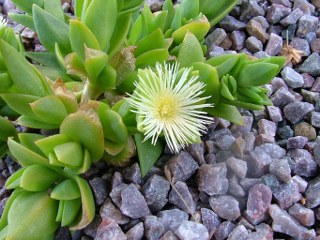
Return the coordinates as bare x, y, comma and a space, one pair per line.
54, 7
14, 180
101, 18
35, 123
47, 144
153, 41
25, 79
187, 56
5, 82
151, 57
26, 5
24, 19
44, 58
78, 5
51, 30
227, 112
190, 9
147, 152
70, 211
20, 103
95, 62
69, 154
7, 129
28, 140
66, 190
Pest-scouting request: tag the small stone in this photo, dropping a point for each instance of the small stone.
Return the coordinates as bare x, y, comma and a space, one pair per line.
136, 232
217, 134
238, 39
259, 114
254, 44
306, 130
271, 181
117, 180
237, 166
263, 232
302, 45
238, 147
169, 236
248, 183
275, 113
226, 207
285, 3
133, 174
226, 43
210, 158
182, 166
315, 119
282, 97
304, 5
133, 203
308, 80
108, 210
306, 25
315, 45
311, 65
285, 132
249, 140
250, 9
277, 12
302, 184
296, 111
197, 152
230, 24
316, 85
185, 194
189, 230
304, 215
304, 164
316, 153
216, 37
109, 229
281, 169
209, 219
91, 229
254, 28
99, 187
28, 33
296, 142
311, 97
215, 50
212, 179
259, 199
153, 228
278, 83
224, 230
263, 138
273, 150
242, 130
63, 233
267, 127
292, 78
312, 193
171, 219
258, 163
284, 223
225, 142
238, 233
287, 194
292, 18
235, 188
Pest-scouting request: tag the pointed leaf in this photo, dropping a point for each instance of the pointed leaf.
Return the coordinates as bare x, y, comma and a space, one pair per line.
70, 211
70, 154
54, 7
151, 57
66, 190
227, 112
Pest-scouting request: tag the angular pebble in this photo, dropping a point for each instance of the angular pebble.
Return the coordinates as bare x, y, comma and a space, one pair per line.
238, 233
277, 12
287, 194
306, 25
189, 230
311, 65
108, 210
216, 37
186, 195
237, 166
281, 169
301, 45
259, 200
292, 18
296, 111
273, 150
250, 9
302, 184
238, 39
284, 223
292, 78
226, 207
99, 187
224, 230
153, 228
209, 219
306, 130
267, 127
285, 132
230, 24
275, 113
296, 142
304, 164
197, 152
108, 230
133, 173
254, 28
274, 45
304, 215
263, 232
258, 163
315, 119
212, 179
282, 97
136, 232
235, 188
171, 219
312, 193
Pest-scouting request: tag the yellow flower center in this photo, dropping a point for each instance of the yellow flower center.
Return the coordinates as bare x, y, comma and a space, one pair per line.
167, 107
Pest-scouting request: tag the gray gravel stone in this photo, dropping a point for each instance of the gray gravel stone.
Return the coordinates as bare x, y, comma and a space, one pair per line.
182, 166
209, 219
238, 233
109, 229
189, 230
254, 44
287, 194
312, 193
133, 173
248, 183
136, 232
243, 130
284, 223
197, 152
296, 111
275, 114
306, 25
285, 132
305, 6
212, 179
311, 97
250, 9
273, 150
259, 200
238, 147
302, 45
133, 203
156, 192
316, 85
153, 228
296, 142
304, 215
316, 153
171, 219
99, 187
108, 210
315, 119
285, 3
226, 207
254, 28
237, 166
282, 97
258, 163
281, 169
267, 127
225, 142
302, 184
185, 193
238, 39
311, 65
216, 37
223, 230
292, 78
230, 24
235, 188
169, 236
292, 18
277, 12
271, 181
315, 45
304, 164
263, 232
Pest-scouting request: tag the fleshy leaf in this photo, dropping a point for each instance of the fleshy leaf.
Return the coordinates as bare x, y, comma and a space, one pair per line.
66, 190
227, 112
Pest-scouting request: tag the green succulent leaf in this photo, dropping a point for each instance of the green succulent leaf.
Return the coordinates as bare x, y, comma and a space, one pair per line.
70, 154
54, 7
20, 103
7, 129
28, 140
153, 41
36, 123
227, 112
224, 63
95, 62
14, 180
26, 5
190, 9
66, 190
24, 19
151, 57
70, 211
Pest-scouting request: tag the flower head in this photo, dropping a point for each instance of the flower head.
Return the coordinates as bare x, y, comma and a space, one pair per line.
168, 102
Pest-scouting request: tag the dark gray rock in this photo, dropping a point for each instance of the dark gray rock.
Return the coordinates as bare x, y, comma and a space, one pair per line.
226, 207
235, 188
281, 169
274, 45
91, 229
248, 183
136, 232
278, 83
259, 200
271, 181
296, 142
315, 45
258, 163
171, 219
216, 37
217, 134
237, 147
209, 219
316, 153
316, 85
304, 215
277, 12
249, 140
311, 65
63, 233
284, 223
254, 44
156, 192
263, 232
296, 111
285, 132
108, 210
133, 174
109, 229
225, 142
254, 28
153, 228
292, 18
197, 152
305, 6
304, 164
99, 187
182, 166
237, 166
212, 179
189, 230
133, 203
287, 194
230, 24
184, 199
223, 230
238, 39
312, 193
306, 25
250, 9
311, 97
238, 233
243, 130
292, 78
282, 97
117, 180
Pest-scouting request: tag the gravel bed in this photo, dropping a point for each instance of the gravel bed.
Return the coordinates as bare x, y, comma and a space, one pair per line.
256, 181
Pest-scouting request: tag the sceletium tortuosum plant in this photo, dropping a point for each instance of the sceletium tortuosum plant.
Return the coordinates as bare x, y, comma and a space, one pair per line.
114, 83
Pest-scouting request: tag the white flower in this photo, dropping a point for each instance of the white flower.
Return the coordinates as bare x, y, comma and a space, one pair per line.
169, 103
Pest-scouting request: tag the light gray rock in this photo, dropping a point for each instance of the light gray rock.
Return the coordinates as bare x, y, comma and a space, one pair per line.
153, 228
171, 219
287, 194
312, 193
108, 210
304, 215
306, 25
237, 166
292, 78
238, 233
225, 206
304, 164
311, 65
109, 229
281, 169
136, 232
187, 203
292, 18
296, 111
